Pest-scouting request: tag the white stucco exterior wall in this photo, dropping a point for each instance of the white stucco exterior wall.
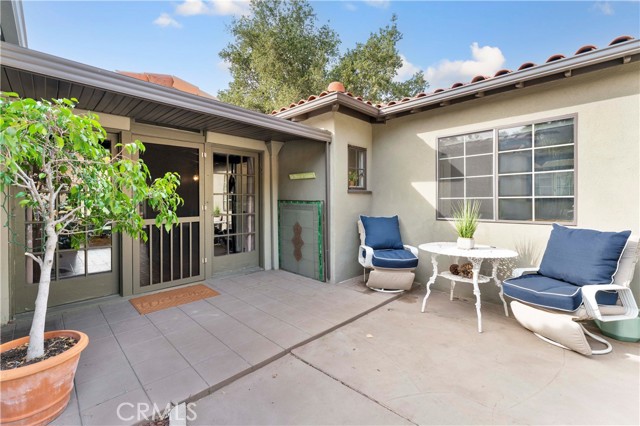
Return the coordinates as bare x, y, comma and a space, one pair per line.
607, 106
345, 206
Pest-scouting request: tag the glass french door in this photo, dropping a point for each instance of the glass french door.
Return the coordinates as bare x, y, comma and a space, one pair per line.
175, 257
233, 211
86, 271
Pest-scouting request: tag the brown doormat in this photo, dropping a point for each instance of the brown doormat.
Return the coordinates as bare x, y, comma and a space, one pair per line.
167, 299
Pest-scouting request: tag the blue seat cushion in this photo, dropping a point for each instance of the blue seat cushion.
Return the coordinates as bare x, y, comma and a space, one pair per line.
396, 259
382, 232
550, 293
583, 256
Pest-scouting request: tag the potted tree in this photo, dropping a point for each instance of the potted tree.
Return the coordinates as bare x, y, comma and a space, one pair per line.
465, 217
53, 162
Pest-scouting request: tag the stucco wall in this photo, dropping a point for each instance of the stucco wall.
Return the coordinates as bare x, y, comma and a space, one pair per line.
345, 206
607, 105
299, 157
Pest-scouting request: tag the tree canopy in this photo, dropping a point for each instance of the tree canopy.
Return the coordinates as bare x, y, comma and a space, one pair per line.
368, 70
280, 55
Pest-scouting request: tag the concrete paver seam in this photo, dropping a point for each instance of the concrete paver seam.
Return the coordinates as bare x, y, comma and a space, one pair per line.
375, 401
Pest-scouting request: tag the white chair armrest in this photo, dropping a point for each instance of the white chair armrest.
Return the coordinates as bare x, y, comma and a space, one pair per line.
624, 293
412, 249
368, 256
518, 272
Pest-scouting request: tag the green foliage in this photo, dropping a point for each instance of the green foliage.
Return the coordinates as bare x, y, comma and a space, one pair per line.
72, 183
68, 178
368, 69
279, 55
465, 217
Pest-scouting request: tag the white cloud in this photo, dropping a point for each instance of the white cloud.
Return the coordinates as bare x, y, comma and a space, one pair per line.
486, 60
213, 7
380, 4
165, 20
406, 70
604, 7
350, 7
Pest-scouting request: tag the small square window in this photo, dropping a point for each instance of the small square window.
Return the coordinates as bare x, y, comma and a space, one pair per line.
357, 168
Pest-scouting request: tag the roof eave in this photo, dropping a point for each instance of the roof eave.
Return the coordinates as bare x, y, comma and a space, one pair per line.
329, 100
622, 50
13, 56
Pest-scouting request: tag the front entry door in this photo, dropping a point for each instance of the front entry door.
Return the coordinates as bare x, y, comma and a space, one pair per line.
176, 257
233, 214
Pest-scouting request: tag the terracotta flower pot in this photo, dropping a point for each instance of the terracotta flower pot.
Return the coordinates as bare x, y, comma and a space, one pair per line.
35, 394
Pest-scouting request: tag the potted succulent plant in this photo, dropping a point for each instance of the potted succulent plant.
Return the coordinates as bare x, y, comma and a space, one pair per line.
354, 178
465, 218
52, 161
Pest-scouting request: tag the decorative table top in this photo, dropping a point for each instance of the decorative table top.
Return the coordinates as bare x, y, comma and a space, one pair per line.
479, 251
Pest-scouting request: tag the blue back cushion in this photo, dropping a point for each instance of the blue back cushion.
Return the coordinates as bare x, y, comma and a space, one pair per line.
582, 256
382, 232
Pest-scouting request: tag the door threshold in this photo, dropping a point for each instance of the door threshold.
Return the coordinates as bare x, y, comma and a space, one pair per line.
227, 274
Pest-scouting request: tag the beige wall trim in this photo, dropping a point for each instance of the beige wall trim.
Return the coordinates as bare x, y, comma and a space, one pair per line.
274, 150
110, 121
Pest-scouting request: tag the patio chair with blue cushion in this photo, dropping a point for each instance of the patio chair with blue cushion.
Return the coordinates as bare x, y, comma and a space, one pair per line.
584, 274
381, 249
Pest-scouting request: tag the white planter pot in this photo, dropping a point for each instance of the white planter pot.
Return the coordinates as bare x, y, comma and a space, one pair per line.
465, 243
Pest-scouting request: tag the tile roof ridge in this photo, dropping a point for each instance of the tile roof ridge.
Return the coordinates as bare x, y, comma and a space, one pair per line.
337, 86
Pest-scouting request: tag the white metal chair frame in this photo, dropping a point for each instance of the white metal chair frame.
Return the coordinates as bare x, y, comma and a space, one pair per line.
367, 259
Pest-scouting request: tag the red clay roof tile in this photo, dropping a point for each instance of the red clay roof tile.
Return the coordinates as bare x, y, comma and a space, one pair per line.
620, 39
555, 57
586, 48
502, 72
167, 80
337, 86
478, 78
526, 65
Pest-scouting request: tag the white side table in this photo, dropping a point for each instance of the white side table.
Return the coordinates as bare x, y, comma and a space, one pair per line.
475, 256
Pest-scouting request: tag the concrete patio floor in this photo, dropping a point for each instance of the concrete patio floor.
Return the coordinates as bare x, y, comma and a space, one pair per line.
399, 366
276, 348
188, 351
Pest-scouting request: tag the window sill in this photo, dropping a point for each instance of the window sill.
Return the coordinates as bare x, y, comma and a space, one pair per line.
358, 191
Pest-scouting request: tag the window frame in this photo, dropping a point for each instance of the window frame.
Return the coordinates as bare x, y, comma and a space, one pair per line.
360, 151
496, 197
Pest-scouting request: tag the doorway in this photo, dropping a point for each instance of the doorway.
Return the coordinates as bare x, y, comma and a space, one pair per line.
175, 257
234, 212
86, 271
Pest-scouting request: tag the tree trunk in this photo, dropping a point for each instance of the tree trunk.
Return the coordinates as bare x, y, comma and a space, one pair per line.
36, 335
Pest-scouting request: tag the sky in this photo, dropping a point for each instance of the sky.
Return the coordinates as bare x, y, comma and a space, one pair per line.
450, 41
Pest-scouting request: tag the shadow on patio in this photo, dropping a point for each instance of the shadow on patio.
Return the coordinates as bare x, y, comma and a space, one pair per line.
188, 351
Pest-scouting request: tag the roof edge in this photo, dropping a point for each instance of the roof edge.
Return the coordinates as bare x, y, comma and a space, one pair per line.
13, 56
328, 100
583, 60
